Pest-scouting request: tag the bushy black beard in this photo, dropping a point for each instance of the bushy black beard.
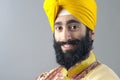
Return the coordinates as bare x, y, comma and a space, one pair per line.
80, 53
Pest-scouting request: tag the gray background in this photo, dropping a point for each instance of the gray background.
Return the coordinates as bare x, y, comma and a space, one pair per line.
26, 39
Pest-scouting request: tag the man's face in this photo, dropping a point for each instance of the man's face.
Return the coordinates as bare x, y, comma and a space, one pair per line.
72, 41
68, 28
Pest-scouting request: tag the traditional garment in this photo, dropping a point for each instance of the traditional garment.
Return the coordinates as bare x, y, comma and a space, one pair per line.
89, 69
83, 10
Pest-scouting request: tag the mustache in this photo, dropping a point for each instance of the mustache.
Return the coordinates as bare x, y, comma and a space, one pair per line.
72, 42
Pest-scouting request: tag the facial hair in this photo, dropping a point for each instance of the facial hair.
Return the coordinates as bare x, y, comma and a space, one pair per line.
71, 57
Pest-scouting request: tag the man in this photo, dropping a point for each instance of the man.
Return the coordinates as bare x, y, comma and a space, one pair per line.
73, 25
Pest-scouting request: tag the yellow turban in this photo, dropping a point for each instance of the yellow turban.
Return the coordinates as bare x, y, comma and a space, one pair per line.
84, 10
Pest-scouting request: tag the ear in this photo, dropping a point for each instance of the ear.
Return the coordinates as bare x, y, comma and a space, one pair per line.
92, 35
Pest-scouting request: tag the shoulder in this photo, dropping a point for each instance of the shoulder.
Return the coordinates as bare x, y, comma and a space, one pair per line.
42, 76
45, 75
102, 72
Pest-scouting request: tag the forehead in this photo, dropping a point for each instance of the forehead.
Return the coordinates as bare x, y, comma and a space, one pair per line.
65, 18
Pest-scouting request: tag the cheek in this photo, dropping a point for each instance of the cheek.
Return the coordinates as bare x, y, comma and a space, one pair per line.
79, 34
76, 35
56, 36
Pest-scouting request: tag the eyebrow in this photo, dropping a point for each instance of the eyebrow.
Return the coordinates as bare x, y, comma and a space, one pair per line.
72, 21
68, 22
58, 23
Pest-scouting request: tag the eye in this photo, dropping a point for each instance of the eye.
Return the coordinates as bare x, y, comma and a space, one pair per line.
74, 27
58, 28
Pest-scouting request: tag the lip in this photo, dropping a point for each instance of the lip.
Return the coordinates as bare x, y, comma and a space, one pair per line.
67, 47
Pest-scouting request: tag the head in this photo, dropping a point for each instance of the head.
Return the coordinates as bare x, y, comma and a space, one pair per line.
72, 40
74, 32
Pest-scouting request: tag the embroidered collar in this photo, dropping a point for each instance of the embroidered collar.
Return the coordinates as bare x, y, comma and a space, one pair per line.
79, 67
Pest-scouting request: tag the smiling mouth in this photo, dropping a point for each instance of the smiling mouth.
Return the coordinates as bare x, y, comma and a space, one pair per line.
67, 47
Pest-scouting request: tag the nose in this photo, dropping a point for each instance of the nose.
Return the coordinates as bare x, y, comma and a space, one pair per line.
66, 35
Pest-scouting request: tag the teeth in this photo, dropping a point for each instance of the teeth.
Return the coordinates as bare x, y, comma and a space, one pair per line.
67, 45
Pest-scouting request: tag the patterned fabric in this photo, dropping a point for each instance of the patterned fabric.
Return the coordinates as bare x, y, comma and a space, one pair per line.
88, 69
80, 69
99, 72
57, 74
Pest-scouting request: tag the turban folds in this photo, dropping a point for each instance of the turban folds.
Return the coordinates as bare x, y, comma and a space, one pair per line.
83, 10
